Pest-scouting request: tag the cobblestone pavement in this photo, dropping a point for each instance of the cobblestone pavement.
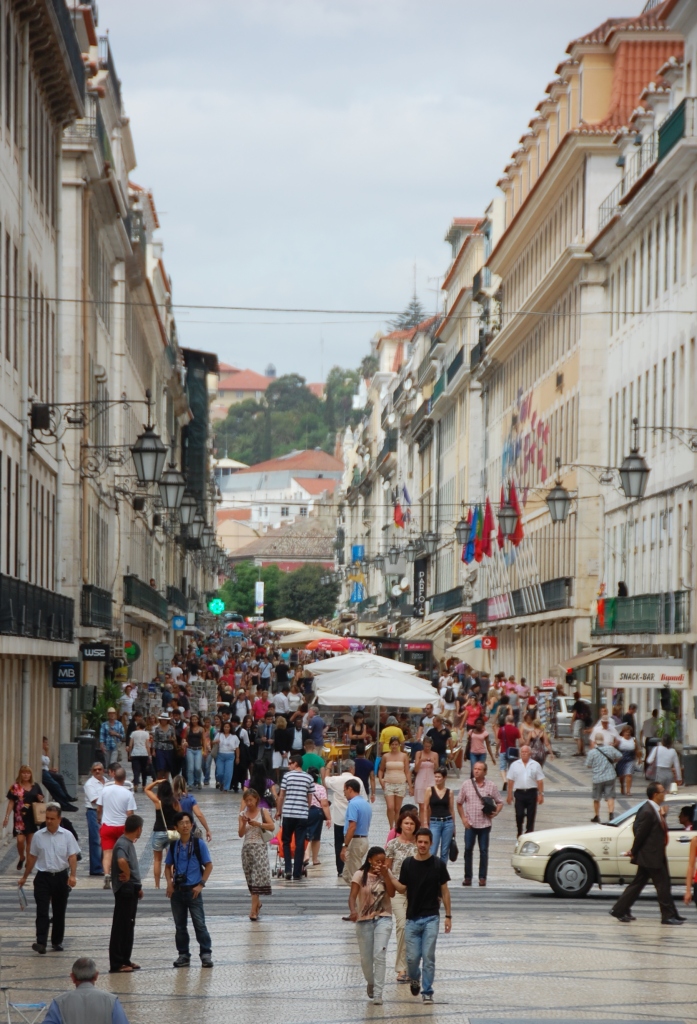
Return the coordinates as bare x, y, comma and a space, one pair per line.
515, 951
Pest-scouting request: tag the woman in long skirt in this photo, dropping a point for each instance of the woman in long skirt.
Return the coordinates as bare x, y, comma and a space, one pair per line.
254, 821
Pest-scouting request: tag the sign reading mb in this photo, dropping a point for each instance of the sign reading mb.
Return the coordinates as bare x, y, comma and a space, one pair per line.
65, 675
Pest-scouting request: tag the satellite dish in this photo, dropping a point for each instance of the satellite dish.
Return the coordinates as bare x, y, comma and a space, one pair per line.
396, 590
408, 384
404, 584
391, 419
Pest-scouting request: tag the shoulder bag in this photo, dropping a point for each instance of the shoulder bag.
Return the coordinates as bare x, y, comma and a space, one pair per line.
39, 812
488, 802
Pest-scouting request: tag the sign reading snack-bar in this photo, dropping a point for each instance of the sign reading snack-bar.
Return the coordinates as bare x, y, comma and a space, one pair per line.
644, 672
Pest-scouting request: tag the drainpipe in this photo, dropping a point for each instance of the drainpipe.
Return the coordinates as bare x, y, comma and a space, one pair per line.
23, 331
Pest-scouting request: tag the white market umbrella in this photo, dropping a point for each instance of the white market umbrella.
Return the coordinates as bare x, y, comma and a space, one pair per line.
375, 686
289, 626
358, 660
303, 637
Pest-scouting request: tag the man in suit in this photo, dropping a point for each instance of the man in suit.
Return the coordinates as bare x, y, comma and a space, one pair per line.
648, 852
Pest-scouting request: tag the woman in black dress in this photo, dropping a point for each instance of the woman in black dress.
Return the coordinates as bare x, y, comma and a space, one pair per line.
20, 798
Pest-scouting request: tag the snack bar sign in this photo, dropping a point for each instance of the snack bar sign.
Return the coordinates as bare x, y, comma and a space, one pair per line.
642, 672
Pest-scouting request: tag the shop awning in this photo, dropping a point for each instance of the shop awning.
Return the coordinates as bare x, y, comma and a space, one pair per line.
477, 657
588, 658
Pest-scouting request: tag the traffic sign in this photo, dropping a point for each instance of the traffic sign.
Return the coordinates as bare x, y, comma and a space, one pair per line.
179, 622
164, 652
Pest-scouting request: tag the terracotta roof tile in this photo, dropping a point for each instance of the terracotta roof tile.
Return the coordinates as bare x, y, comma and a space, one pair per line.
316, 485
309, 459
316, 389
244, 380
239, 514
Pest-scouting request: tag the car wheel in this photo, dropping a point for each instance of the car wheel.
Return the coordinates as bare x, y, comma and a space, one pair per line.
571, 874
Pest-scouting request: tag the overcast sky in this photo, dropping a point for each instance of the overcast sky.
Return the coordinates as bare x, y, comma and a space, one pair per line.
309, 153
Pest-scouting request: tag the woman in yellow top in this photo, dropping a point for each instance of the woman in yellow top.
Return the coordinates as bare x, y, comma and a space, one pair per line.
391, 729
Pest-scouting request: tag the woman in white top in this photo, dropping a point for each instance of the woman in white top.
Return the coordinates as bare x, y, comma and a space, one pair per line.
630, 755
667, 763
228, 756
295, 697
140, 755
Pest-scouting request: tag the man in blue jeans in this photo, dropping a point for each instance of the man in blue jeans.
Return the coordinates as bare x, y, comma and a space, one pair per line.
477, 817
188, 867
424, 878
92, 788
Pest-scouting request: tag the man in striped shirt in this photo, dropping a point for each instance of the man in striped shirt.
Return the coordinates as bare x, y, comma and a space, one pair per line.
294, 802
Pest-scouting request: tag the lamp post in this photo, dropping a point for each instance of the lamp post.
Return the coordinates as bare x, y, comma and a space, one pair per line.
558, 500
430, 542
634, 472
508, 519
196, 526
172, 486
149, 454
410, 551
187, 508
393, 555
462, 532
379, 563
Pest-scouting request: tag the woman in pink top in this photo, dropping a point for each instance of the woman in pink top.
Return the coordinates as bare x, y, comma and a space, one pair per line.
478, 743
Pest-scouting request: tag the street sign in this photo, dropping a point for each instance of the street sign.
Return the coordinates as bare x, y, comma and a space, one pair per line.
131, 651
95, 652
489, 643
179, 622
65, 675
164, 652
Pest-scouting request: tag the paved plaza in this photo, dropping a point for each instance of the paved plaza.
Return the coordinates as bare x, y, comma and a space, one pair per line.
515, 951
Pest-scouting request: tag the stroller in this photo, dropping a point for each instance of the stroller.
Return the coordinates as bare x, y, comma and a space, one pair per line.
279, 868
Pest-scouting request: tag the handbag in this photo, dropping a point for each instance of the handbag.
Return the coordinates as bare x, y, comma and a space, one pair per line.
650, 771
488, 802
454, 851
39, 812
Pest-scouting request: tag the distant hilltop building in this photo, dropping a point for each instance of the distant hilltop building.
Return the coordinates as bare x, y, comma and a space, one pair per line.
236, 385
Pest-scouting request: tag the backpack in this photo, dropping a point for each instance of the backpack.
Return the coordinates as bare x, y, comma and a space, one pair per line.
197, 851
449, 695
270, 798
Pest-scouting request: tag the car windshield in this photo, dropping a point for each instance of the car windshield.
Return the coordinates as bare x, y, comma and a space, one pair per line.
621, 818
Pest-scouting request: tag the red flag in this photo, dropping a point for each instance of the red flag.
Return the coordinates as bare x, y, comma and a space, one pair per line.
499, 534
487, 529
515, 504
398, 516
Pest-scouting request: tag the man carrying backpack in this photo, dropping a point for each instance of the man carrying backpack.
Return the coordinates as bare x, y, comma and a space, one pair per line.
448, 693
187, 869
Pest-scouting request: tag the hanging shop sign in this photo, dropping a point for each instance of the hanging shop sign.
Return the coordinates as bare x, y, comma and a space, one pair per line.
65, 675
420, 570
642, 672
95, 652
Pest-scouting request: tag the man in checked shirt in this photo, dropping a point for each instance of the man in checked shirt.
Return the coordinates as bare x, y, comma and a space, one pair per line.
472, 807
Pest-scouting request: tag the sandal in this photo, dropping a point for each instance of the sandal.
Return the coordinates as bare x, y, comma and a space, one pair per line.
122, 970
134, 967
253, 918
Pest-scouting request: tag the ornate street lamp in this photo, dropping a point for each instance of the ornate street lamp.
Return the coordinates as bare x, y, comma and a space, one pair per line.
207, 538
379, 563
462, 531
410, 551
196, 527
430, 542
508, 520
187, 509
558, 500
149, 455
634, 472
172, 486
393, 555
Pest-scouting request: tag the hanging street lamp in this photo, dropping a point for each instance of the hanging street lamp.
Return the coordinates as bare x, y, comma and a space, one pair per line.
172, 486
462, 532
430, 542
149, 455
508, 520
393, 555
410, 551
558, 500
634, 471
187, 508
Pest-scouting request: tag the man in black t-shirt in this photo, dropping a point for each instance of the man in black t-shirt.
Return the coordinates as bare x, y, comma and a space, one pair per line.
440, 735
424, 878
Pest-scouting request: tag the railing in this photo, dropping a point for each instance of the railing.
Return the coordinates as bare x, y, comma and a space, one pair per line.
666, 613
438, 389
28, 610
389, 446
678, 125
482, 279
423, 370
194, 597
141, 595
96, 607
480, 609
551, 595
107, 59
456, 364
636, 167
419, 416
397, 393
446, 600
176, 598
91, 126
557, 593
71, 44
476, 355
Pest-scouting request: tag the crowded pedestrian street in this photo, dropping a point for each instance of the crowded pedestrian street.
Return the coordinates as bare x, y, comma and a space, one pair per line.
515, 950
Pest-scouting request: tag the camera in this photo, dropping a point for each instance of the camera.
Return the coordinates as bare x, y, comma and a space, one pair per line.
180, 879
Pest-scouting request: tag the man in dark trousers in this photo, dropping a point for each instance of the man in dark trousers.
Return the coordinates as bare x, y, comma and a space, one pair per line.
127, 889
648, 852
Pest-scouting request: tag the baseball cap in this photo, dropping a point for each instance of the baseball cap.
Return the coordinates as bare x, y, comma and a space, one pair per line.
109, 710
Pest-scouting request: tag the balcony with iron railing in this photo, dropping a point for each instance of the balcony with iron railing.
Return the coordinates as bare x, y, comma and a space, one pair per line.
72, 46
176, 599
106, 59
662, 614
446, 601
91, 126
456, 364
680, 124
141, 595
438, 389
96, 607
477, 354
389, 446
28, 610
552, 595
420, 418
480, 281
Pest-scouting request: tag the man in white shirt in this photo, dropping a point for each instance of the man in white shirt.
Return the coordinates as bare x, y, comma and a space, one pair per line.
335, 785
92, 788
281, 701
114, 804
54, 851
448, 693
604, 733
525, 780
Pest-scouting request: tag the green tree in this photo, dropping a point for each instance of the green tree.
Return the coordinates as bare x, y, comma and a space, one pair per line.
412, 315
369, 366
303, 597
339, 390
238, 593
